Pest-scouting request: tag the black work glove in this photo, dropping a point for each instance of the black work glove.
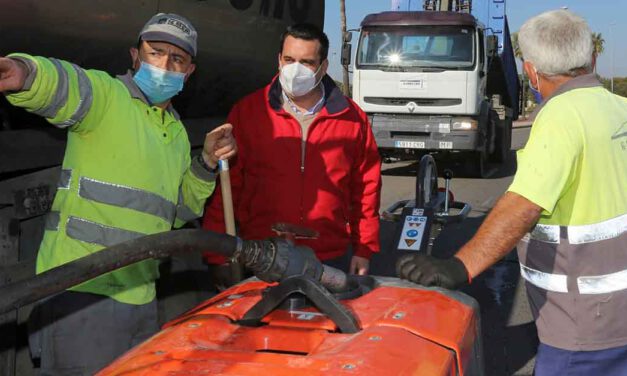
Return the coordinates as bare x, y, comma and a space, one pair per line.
425, 270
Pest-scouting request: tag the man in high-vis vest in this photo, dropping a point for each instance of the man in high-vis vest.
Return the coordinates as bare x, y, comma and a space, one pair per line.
567, 207
127, 173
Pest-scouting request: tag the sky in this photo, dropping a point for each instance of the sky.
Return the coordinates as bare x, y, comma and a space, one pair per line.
603, 16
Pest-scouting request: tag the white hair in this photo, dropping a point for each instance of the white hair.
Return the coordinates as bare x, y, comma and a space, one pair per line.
557, 42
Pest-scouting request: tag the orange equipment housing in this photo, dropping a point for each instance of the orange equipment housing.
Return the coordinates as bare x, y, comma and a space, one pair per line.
403, 329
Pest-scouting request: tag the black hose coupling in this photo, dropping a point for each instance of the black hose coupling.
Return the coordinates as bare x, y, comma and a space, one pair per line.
276, 259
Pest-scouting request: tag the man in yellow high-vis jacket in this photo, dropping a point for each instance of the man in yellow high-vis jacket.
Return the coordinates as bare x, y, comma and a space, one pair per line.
566, 209
127, 172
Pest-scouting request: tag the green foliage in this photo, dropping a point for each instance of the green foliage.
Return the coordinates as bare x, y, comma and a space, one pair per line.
515, 46
598, 43
620, 85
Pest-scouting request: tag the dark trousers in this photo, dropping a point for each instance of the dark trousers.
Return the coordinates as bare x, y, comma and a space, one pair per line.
77, 333
551, 361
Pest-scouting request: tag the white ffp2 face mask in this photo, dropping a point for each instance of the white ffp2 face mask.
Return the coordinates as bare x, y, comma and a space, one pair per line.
298, 80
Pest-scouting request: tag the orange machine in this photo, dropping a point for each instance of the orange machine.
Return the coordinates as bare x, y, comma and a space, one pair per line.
385, 326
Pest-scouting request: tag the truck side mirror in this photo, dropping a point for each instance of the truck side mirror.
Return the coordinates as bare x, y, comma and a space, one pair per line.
492, 42
348, 36
346, 54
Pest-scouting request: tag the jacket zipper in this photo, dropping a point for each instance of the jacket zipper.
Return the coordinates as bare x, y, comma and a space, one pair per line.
303, 144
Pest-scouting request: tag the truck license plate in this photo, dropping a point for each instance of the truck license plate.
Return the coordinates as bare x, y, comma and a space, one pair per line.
446, 145
412, 84
409, 144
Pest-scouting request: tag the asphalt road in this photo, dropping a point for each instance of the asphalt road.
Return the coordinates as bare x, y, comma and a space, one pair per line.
509, 335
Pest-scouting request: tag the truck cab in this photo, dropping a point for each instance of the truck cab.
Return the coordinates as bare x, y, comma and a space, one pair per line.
422, 77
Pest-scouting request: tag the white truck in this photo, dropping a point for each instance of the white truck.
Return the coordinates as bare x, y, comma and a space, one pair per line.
438, 81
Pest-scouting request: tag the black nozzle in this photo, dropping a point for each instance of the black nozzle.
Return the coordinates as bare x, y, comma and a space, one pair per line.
448, 174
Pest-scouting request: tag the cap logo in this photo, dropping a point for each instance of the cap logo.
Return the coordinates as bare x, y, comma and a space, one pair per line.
176, 23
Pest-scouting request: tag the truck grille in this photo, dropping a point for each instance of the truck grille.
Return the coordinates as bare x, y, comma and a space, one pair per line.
418, 101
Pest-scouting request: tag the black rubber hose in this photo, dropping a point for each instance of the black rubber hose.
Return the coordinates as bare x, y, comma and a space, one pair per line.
53, 281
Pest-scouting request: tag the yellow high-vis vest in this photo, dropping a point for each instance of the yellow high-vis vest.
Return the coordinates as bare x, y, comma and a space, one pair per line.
126, 173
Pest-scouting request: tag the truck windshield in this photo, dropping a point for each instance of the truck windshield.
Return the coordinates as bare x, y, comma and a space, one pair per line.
445, 47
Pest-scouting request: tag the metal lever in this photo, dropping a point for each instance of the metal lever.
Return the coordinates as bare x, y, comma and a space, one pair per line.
448, 175
291, 232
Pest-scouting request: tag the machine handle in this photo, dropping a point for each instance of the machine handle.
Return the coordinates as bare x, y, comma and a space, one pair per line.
314, 291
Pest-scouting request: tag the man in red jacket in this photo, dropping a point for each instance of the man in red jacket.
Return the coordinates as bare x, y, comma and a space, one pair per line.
307, 156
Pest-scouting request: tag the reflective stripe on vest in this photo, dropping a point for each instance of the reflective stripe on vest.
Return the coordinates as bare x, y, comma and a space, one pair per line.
547, 281
599, 231
126, 197
51, 222
86, 97
599, 284
64, 179
602, 284
546, 233
582, 234
96, 233
60, 96
90, 232
184, 212
578, 235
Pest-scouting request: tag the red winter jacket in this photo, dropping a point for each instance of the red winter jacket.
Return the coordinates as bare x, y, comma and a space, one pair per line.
335, 190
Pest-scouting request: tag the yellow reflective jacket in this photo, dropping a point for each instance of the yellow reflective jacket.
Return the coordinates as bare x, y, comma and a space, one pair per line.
126, 173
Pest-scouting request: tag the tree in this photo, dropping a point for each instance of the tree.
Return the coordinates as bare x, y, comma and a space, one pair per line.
515, 46
343, 26
598, 46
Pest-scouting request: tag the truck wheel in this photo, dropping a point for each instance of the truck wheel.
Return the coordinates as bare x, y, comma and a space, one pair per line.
503, 140
426, 181
477, 164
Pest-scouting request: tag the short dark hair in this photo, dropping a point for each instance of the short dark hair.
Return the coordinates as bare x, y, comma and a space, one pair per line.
307, 31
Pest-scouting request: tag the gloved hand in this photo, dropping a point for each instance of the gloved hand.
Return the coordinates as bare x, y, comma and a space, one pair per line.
425, 270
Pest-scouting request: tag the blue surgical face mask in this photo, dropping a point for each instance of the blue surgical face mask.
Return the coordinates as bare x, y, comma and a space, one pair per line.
537, 96
158, 85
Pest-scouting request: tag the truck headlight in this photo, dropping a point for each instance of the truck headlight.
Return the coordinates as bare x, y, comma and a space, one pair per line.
465, 125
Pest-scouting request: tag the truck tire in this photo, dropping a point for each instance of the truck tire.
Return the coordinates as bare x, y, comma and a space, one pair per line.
476, 164
503, 140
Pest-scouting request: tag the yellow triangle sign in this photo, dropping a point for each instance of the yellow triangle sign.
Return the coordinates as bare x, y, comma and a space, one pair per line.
410, 242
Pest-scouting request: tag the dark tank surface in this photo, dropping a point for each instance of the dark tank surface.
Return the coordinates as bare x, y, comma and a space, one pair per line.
238, 39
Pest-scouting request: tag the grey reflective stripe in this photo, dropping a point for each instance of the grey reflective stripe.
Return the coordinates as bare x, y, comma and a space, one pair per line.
64, 179
184, 212
60, 96
95, 233
86, 96
126, 197
546, 233
581, 234
547, 281
602, 284
598, 284
609, 229
51, 222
